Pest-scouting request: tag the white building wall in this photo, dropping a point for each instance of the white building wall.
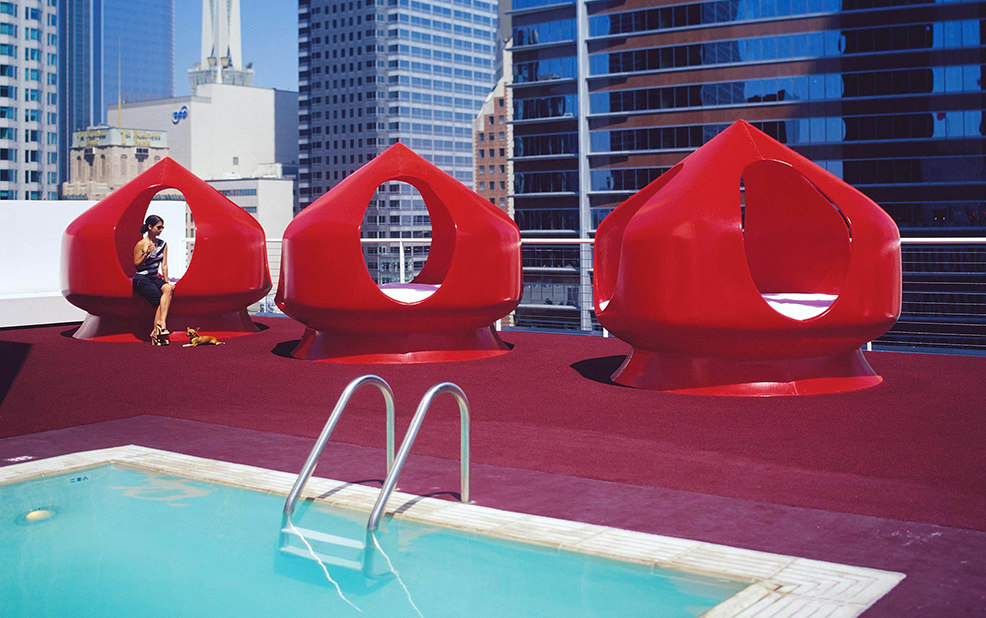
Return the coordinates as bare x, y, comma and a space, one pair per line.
222, 131
269, 200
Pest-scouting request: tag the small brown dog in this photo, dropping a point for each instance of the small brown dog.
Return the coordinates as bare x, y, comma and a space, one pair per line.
196, 339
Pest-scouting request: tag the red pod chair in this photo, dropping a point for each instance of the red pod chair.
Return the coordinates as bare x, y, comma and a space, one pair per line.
227, 273
472, 276
771, 298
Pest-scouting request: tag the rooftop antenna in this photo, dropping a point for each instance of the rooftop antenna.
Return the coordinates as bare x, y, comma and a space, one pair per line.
119, 87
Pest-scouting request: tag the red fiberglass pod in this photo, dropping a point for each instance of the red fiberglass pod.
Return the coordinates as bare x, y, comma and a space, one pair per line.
472, 276
227, 273
746, 269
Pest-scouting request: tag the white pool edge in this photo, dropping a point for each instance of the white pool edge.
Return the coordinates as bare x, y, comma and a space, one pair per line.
778, 585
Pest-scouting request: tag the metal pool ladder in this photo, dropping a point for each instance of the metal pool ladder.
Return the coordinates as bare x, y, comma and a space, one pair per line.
352, 553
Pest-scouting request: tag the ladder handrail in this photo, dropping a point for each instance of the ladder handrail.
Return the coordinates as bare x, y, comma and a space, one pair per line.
351, 388
412, 432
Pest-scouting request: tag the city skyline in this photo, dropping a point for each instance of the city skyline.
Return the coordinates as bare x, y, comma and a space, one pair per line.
270, 42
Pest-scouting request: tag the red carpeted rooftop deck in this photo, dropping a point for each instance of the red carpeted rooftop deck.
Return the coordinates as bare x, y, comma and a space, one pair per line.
891, 477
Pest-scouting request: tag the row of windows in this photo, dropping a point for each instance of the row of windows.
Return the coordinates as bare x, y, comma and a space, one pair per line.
859, 172
30, 115
29, 176
6, 194
230, 192
818, 87
30, 156
493, 152
725, 11
949, 35
29, 135
459, 59
519, 5
435, 39
545, 69
551, 294
546, 107
547, 218
545, 32
437, 84
551, 144
437, 24
9, 8
961, 215
552, 257
501, 136
546, 182
915, 171
30, 34
802, 131
30, 53
623, 179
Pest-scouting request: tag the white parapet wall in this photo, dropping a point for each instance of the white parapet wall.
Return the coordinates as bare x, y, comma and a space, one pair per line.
31, 257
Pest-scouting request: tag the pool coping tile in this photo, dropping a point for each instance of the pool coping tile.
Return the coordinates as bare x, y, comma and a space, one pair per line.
777, 585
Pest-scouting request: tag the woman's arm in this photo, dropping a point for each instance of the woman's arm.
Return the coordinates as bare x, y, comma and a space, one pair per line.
164, 265
141, 251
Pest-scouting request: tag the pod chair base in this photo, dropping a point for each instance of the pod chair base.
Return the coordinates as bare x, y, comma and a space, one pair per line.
835, 373
133, 329
396, 348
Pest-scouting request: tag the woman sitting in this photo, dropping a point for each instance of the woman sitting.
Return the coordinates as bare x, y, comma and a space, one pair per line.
151, 280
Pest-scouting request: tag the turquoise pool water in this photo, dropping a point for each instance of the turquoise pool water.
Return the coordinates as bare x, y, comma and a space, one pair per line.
110, 541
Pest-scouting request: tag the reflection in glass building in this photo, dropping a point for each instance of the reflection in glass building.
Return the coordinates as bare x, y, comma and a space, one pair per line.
112, 51
889, 95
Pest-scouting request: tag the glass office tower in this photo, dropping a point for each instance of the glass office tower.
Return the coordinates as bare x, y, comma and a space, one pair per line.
888, 95
111, 50
375, 72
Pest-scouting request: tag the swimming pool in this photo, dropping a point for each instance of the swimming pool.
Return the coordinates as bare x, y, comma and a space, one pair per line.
100, 538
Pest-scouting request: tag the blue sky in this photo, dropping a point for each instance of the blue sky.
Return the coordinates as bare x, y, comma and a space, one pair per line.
270, 41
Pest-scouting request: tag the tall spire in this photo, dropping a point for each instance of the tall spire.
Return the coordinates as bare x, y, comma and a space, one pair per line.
221, 58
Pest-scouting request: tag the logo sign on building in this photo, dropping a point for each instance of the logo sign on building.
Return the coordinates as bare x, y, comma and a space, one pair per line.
176, 117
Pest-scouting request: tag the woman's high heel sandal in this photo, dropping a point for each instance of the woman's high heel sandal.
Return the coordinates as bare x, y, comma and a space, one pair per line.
159, 336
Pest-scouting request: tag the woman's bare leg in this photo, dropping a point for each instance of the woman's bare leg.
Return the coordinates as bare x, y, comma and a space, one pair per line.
161, 315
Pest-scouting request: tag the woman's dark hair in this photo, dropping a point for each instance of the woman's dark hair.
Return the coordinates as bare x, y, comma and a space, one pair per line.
151, 222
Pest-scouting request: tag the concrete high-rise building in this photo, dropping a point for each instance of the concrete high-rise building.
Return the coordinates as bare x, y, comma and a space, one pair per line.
110, 50
28, 100
886, 95
372, 73
493, 149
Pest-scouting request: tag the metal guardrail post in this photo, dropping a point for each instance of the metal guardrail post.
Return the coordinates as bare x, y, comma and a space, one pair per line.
400, 256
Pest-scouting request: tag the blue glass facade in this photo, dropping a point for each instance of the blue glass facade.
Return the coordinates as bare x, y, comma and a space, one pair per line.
112, 50
138, 41
889, 95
